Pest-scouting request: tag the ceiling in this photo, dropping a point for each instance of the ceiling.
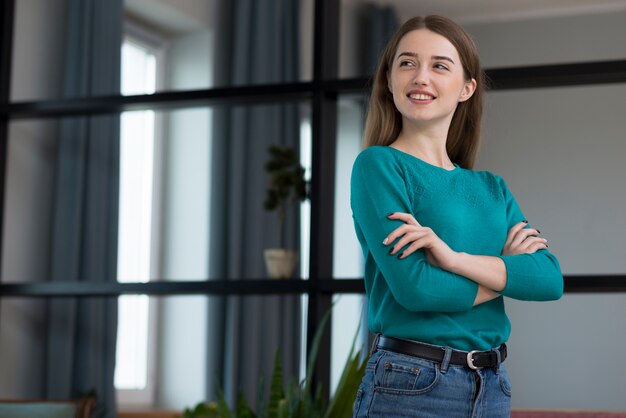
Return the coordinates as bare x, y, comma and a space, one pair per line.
176, 16
481, 11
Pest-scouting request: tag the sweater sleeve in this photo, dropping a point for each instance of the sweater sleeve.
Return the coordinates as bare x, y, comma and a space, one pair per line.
534, 276
377, 189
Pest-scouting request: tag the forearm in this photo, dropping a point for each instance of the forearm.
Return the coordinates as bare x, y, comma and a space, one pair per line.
487, 271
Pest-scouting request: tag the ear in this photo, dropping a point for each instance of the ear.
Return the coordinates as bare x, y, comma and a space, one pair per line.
468, 90
389, 83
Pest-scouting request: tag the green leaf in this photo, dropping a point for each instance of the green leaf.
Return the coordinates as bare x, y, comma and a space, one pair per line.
342, 402
282, 409
260, 401
276, 389
313, 352
222, 406
243, 409
286, 175
351, 376
296, 400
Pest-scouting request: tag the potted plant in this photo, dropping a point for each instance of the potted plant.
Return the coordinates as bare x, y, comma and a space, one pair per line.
287, 185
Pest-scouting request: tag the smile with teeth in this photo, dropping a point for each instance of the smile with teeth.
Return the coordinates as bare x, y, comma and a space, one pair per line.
421, 97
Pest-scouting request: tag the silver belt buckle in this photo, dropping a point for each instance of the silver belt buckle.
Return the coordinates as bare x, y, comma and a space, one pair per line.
470, 360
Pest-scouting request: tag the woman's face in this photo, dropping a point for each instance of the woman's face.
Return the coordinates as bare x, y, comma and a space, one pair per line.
426, 78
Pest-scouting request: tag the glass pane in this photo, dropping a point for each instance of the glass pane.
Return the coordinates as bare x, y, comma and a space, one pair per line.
198, 45
349, 322
137, 157
37, 66
213, 44
23, 336
181, 347
191, 200
512, 34
364, 28
571, 172
131, 368
349, 326
215, 186
347, 254
553, 39
29, 199
208, 344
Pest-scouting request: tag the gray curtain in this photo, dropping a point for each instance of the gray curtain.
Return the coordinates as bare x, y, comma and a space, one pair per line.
380, 22
258, 43
82, 332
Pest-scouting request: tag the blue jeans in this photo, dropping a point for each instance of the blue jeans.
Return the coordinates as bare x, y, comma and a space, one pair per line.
396, 385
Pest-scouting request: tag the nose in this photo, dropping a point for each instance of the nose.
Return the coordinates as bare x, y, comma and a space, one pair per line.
421, 76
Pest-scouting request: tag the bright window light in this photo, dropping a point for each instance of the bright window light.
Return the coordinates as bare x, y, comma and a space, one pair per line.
305, 235
135, 218
305, 207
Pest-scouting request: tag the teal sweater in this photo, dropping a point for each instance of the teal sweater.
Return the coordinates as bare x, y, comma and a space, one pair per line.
472, 212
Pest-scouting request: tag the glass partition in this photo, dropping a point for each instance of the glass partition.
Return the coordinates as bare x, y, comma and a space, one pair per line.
197, 44
560, 151
508, 35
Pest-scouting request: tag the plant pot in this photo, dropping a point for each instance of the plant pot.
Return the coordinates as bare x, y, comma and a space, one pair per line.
280, 262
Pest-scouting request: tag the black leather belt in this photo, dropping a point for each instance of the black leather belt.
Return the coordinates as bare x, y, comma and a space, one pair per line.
472, 359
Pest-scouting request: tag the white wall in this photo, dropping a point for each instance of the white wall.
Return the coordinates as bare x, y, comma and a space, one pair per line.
593, 37
36, 74
561, 152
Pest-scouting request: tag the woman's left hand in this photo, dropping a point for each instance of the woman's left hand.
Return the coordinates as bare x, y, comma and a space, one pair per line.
416, 236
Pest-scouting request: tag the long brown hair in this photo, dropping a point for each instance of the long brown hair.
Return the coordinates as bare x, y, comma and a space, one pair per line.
384, 121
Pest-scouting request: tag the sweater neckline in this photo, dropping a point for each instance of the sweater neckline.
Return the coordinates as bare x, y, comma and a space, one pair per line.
434, 167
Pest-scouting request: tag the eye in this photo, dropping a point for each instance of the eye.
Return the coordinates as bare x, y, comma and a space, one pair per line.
440, 66
405, 63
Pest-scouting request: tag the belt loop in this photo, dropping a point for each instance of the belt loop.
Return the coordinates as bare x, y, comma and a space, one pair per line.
446, 360
375, 344
498, 359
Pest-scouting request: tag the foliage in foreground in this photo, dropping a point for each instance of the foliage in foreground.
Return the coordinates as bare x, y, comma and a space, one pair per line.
294, 400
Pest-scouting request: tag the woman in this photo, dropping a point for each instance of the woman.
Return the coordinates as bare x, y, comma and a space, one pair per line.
442, 243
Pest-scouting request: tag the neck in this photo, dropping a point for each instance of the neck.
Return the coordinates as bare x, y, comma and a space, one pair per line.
427, 144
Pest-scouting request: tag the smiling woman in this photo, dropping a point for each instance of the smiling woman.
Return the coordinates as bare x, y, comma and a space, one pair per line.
427, 85
560, 149
442, 243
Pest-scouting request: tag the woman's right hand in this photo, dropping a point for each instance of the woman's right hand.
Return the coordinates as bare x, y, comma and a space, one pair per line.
522, 240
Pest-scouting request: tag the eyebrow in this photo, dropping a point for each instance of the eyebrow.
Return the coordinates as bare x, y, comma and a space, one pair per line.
434, 57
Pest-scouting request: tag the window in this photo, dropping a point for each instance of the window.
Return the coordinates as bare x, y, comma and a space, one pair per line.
137, 236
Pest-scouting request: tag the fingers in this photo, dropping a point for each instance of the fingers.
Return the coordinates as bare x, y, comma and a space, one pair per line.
406, 234
514, 230
523, 240
415, 238
532, 244
409, 221
419, 243
398, 232
405, 217
523, 235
